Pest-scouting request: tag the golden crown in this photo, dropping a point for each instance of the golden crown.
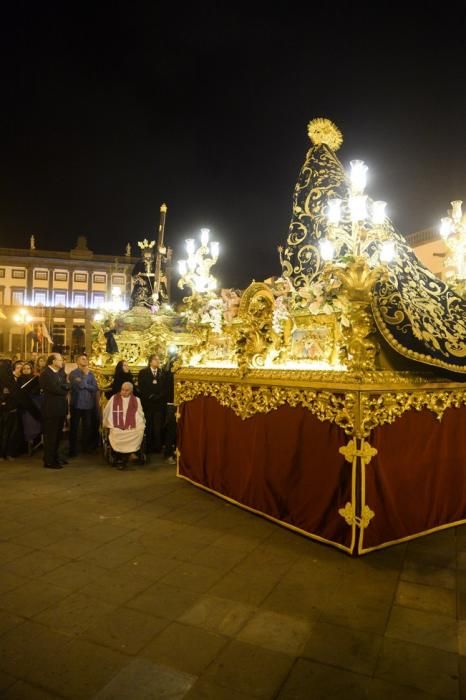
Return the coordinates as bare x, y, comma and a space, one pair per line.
146, 244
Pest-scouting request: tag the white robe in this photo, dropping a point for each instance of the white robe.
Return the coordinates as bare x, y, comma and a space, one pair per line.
128, 440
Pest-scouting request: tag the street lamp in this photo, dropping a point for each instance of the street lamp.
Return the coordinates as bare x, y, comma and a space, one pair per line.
22, 318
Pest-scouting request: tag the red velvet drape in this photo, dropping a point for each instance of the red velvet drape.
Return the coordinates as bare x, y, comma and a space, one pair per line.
417, 481
284, 463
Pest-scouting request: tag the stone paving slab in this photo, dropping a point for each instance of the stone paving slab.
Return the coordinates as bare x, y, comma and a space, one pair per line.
134, 584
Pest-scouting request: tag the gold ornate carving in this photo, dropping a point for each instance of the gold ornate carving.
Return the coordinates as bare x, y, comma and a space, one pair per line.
140, 334
387, 380
377, 409
356, 409
256, 299
322, 130
252, 330
246, 400
357, 280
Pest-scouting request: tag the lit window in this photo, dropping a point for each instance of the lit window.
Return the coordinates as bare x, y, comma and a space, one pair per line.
60, 299
41, 274
99, 278
118, 279
17, 297
18, 274
98, 300
40, 298
2, 272
80, 300
80, 277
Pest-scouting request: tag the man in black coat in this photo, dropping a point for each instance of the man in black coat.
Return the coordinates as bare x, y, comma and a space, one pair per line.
54, 408
152, 391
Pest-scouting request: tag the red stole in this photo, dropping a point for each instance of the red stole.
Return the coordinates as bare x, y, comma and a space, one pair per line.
117, 412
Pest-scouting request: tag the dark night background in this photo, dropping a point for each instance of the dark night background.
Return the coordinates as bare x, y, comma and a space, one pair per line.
108, 111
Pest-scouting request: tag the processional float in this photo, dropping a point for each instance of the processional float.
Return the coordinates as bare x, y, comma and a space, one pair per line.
330, 400
333, 402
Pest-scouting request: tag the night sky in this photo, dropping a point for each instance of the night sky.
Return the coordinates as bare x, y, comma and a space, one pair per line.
108, 111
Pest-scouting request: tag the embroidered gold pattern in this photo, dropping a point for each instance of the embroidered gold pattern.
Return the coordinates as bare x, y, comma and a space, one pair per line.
247, 400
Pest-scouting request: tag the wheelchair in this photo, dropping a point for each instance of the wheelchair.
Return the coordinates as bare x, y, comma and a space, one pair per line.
119, 459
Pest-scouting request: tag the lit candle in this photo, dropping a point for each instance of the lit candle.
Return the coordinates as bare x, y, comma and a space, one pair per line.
205, 236
445, 226
357, 205
358, 176
327, 250
387, 251
378, 212
334, 211
456, 212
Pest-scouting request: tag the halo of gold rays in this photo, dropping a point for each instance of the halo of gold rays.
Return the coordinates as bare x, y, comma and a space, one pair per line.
322, 130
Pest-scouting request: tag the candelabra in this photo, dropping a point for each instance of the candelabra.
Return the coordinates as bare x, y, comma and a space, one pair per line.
357, 252
195, 271
111, 308
116, 303
453, 232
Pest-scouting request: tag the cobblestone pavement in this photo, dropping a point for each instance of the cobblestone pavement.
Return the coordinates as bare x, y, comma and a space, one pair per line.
136, 585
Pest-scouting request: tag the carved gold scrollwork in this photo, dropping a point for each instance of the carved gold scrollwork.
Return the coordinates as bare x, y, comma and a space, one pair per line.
386, 407
252, 330
247, 400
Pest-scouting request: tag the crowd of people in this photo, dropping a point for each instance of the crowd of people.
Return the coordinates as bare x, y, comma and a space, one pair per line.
39, 402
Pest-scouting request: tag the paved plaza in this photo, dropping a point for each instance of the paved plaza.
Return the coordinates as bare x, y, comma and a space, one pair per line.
136, 585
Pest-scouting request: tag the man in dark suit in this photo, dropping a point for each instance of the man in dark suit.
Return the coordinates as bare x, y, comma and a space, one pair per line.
54, 408
152, 391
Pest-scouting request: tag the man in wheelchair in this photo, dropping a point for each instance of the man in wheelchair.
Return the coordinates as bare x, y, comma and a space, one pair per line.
124, 418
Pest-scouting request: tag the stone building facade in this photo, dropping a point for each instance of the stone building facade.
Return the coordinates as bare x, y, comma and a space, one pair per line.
429, 248
61, 292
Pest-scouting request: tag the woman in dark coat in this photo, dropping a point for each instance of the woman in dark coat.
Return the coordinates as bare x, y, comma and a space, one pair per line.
122, 374
30, 401
41, 363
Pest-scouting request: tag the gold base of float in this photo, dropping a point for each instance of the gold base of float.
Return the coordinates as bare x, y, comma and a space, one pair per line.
364, 415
